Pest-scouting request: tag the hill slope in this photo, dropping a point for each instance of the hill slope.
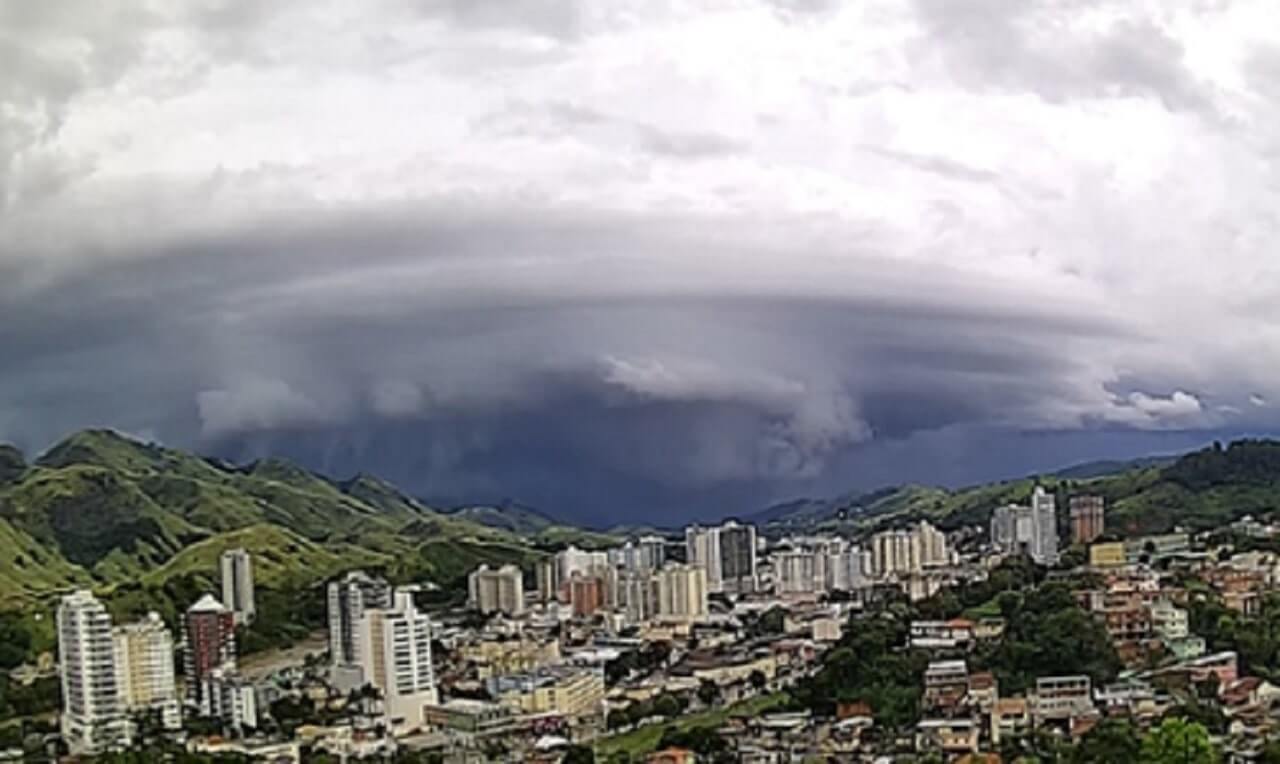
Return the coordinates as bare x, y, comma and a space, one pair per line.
1198, 490
129, 519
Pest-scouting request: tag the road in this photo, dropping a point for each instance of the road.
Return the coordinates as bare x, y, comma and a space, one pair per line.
262, 665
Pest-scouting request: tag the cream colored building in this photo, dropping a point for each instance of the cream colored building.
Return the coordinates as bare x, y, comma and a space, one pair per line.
517, 656
1107, 555
682, 592
144, 669
567, 691
496, 591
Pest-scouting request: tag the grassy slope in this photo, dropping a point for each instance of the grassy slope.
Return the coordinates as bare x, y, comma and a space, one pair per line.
641, 742
147, 524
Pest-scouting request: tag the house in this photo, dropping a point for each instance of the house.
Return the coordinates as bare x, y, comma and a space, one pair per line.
672, 756
951, 736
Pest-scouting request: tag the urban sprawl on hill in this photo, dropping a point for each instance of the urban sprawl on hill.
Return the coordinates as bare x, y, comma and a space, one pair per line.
159, 606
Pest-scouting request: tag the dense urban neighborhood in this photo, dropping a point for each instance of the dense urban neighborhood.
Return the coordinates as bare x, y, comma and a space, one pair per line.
1041, 634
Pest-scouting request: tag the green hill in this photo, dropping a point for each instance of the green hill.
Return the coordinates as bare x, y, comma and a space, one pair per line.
1199, 490
144, 525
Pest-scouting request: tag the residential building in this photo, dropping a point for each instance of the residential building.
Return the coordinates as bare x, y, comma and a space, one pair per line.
93, 717
1157, 547
145, 672
210, 646
493, 657
1031, 530
349, 599
573, 560
646, 553
1062, 697
908, 550
950, 736
231, 699
738, 558
702, 547
562, 690
728, 553
1169, 622
1088, 514
682, 592
395, 657
1110, 554
548, 574
497, 591
471, 719
798, 571
586, 595
945, 684
237, 584
637, 595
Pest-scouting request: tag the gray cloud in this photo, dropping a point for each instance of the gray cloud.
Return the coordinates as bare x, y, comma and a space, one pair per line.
553, 250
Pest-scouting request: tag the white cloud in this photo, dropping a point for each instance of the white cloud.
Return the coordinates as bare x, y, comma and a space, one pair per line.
256, 404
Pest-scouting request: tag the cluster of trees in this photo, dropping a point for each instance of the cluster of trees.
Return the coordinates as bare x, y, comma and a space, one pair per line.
667, 706
1174, 741
1255, 639
284, 617
869, 665
651, 656
1047, 634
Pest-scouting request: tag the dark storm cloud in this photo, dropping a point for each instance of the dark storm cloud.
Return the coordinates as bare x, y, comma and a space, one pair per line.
550, 250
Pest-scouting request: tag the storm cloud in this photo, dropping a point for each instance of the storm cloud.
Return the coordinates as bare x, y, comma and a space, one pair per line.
641, 260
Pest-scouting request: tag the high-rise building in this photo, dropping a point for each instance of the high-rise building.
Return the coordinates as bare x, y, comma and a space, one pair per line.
799, 571
637, 595
652, 551
144, 670
738, 558
727, 552
395, 657
1027, 530
1088, 515
702, 548
237, 584
496, 591
909, 550
682, 592
574, 560
231, 699
586, 594
349, 598
548, 572
93, 714
210, 646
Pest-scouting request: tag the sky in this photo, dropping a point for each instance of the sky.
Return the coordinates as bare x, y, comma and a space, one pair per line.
642, 260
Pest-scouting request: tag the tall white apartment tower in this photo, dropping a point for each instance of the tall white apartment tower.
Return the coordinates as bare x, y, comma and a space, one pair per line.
1044, 522
237, 584
395, 656
93, 718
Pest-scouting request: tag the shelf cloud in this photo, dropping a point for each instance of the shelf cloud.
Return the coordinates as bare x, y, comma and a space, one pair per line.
649, 260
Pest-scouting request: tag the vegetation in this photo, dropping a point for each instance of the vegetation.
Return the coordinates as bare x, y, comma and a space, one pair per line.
1200, 490
144, 526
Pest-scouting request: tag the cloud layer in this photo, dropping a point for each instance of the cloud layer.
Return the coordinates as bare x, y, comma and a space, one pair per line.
648, 257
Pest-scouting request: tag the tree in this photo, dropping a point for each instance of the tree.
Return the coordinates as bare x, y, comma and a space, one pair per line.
708, 692
578, 754
758, 679
1177, 741
1110, 740
667, 705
